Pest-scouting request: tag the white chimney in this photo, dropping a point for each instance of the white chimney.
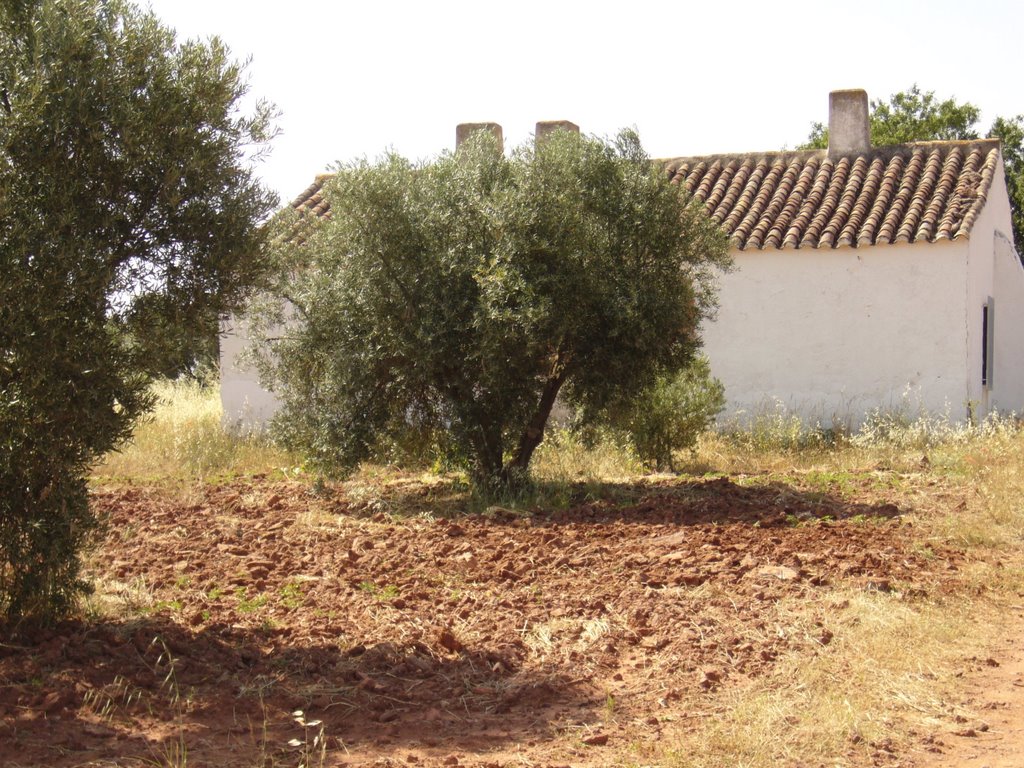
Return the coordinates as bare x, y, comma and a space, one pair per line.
464, 130
550, 126
849, 131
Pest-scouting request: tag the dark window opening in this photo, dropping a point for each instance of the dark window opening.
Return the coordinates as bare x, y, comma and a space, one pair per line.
987, 335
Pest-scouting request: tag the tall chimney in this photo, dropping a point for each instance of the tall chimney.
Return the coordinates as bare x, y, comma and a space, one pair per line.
848, 128
546, 127
464, 130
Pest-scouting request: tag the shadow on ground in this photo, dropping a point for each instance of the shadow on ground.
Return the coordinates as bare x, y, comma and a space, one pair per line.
716, 500
151, 690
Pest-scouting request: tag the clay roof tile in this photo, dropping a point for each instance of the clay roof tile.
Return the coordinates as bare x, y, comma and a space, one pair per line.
945, 181
909, 193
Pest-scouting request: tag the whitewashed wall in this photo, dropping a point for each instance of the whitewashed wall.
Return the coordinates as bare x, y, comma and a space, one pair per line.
830, 334
995, 271
1007, 393
834, 334
247, 405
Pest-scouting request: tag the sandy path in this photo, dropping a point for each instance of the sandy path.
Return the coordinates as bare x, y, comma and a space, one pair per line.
996, 694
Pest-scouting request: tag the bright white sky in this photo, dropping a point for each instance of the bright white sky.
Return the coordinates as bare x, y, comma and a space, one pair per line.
355, 78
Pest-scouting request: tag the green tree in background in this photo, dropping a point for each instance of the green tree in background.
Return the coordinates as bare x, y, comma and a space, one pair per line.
128, 218
916, 115
465, 295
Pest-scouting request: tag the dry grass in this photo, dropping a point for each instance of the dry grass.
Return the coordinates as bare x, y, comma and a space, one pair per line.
994, 469
566, 633
564, 458
116, 599
777, 441
183, 440
885, 675
891, 668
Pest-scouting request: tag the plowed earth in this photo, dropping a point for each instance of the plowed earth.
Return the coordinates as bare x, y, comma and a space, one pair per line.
497, 639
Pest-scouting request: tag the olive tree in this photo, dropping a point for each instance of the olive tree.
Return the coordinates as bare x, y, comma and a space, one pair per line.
128, 216
462, 297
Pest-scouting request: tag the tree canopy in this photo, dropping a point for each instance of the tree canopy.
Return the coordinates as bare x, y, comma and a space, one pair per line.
128, 215
916, 115
463, 296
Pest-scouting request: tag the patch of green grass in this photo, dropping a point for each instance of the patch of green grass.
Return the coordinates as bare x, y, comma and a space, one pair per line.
248, 604
385, 593
832, 482
291, 594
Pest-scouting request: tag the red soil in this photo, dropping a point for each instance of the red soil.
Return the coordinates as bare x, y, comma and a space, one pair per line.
487, 640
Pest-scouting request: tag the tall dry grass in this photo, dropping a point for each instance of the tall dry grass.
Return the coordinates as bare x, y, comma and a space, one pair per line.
182, 439
984, 461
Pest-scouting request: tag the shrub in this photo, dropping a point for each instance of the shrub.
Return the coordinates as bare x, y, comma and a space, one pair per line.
670, 415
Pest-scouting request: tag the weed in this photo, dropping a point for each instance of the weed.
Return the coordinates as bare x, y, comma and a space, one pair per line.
291, 594
309, 750
105, 702
386, 593
174, 751
248, 604
609, 706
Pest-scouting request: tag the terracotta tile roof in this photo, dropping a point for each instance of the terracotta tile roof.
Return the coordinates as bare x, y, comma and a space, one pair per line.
312, 201
910, 193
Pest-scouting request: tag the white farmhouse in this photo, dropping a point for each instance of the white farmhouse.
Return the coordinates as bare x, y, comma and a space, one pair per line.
867, 277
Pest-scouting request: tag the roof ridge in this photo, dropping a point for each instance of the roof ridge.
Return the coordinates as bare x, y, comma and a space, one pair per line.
884, 150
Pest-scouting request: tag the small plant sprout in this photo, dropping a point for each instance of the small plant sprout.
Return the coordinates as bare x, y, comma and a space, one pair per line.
291, 594
309, 750
609, 705
248, 604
